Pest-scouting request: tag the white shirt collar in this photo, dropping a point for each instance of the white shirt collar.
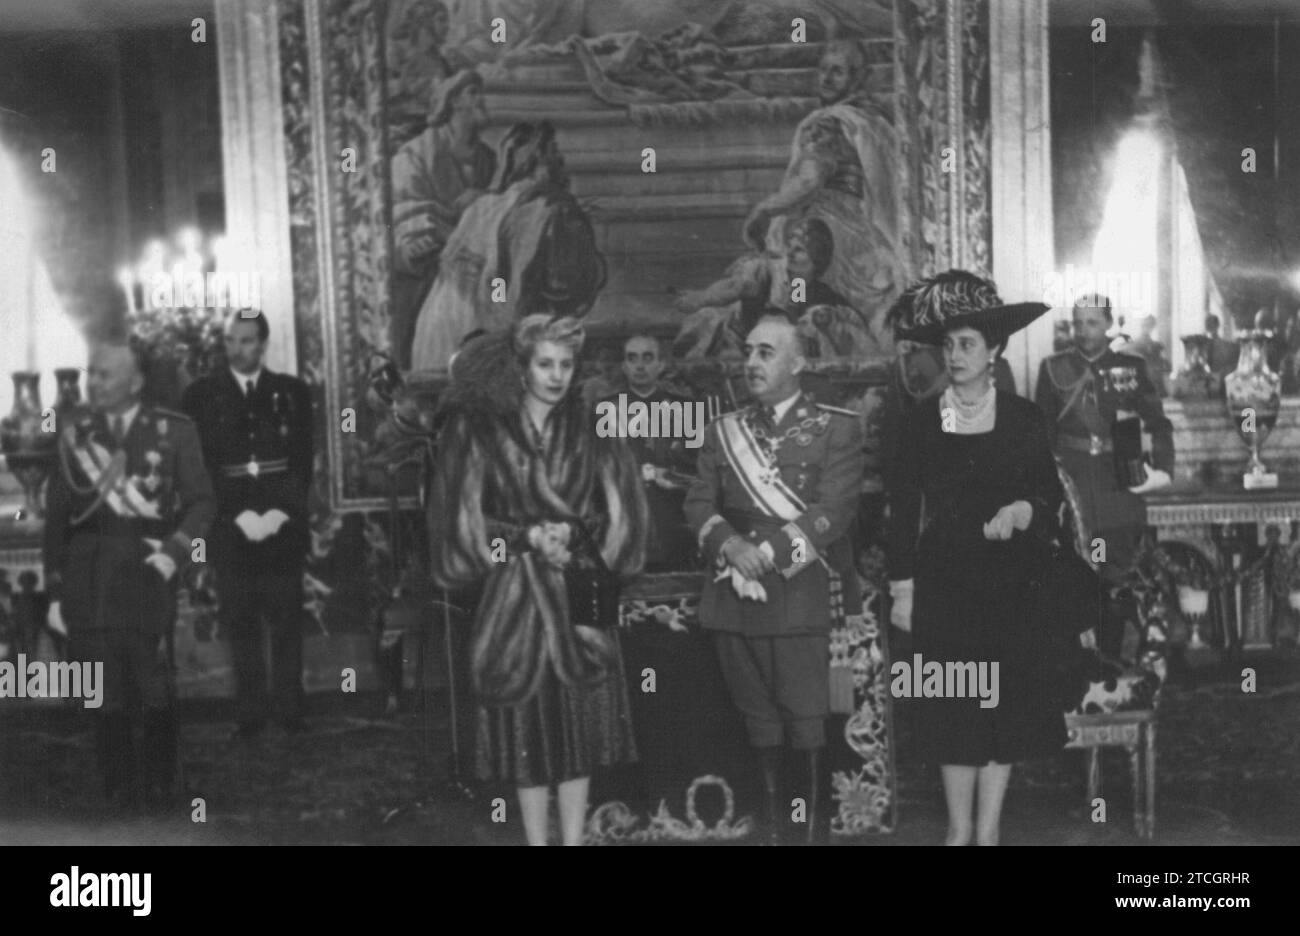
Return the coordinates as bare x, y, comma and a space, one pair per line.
243, 379
780, 409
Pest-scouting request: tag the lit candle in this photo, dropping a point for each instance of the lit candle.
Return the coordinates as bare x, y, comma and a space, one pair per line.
221, 252
128, 286
189, 239
146, 288
178, 285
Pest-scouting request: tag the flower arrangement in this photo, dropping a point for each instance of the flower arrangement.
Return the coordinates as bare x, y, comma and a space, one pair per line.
1179, 573
182, 344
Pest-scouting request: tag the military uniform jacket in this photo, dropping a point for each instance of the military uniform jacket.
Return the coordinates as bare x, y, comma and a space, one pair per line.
669, 542
819, 458
258, 450
109, 505
1081, 399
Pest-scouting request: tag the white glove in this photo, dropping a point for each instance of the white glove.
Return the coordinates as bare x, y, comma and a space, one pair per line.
272, 521
746, 588
164, 563
551, 540
251, 524
54, 619
900, 612
1156, 479
1012, 517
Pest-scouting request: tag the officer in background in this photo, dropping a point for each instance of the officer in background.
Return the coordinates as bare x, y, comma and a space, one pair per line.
667, 465
126, 503
1094, 397
1221, 354
776, 493
257, 441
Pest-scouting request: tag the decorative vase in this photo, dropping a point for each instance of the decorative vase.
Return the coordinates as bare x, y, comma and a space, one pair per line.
28, 448
1196, 381
69, 388
1253, 404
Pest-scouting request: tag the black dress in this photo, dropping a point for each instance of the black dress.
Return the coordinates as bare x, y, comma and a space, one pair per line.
972, 595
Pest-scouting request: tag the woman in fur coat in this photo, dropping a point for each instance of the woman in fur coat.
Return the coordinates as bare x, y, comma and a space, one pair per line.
519, 465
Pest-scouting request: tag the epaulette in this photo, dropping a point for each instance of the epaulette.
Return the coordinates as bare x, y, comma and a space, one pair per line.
837, 409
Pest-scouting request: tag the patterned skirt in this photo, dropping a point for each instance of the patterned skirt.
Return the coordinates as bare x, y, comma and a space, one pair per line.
561, 733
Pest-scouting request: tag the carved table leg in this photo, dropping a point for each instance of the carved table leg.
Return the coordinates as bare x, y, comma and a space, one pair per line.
1139, 800
1150, 732
1094, 776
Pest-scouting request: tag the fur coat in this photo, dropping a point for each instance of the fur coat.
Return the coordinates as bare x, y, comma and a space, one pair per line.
493, 479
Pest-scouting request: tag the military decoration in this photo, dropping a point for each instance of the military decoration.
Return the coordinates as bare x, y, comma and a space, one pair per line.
1122, 379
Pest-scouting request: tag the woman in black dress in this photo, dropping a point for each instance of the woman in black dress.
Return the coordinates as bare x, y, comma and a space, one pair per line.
974, 496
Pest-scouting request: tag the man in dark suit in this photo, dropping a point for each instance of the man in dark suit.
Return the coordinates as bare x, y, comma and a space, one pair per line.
776, 494
128, 503
666, 463
257, 441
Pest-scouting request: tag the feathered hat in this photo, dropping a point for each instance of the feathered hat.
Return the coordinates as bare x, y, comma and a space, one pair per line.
929, 309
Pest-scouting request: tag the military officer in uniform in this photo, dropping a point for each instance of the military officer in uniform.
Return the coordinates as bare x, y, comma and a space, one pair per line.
257, 441
127, 502
1087, 392
667, 465
776, 492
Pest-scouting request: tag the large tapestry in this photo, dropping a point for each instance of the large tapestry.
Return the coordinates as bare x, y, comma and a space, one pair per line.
702, 162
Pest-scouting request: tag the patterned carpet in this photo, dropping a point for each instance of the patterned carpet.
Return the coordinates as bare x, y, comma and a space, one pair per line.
1228, 765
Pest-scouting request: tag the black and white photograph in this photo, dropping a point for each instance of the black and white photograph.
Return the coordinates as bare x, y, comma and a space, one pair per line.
780, 423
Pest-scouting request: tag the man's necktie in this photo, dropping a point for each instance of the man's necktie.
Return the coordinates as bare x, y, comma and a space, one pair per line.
248, 389
119, 428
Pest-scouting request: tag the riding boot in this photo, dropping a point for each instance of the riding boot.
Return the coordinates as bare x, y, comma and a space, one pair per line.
160, 760
769, 760
818, 831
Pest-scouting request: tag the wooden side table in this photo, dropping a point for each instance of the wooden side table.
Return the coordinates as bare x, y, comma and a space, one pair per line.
1134, 731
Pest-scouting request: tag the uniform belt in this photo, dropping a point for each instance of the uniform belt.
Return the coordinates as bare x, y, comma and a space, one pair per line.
748, 523
254, 468
135, 528
1093, 445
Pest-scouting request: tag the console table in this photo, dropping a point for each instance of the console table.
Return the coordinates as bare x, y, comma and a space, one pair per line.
1229, 526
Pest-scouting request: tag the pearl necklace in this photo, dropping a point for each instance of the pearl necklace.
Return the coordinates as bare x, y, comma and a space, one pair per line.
970, 418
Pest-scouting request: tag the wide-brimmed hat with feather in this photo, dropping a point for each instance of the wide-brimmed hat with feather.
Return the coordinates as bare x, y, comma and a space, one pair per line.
929, 309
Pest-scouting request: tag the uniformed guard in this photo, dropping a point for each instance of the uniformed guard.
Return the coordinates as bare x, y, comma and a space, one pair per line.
776, 493
1094, 398
125, 507
257, 441
667, 465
